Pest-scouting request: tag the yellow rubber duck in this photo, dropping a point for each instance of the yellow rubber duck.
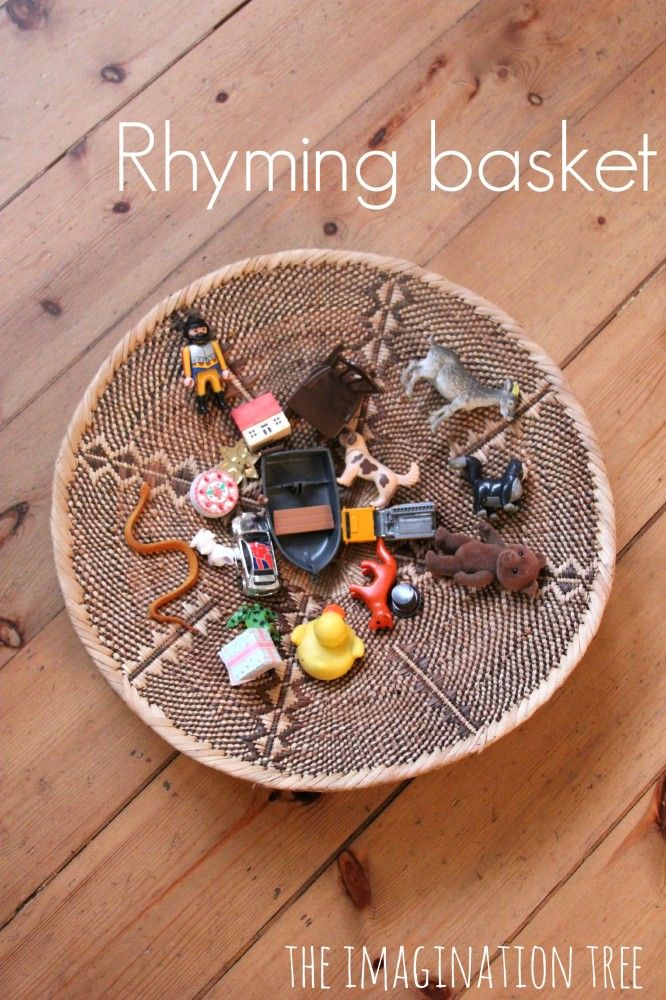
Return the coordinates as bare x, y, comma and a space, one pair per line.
327, 646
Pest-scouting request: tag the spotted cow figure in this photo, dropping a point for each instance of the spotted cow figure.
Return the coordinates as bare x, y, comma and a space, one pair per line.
359, 464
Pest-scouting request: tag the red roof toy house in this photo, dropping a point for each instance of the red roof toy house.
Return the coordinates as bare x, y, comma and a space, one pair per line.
261, 421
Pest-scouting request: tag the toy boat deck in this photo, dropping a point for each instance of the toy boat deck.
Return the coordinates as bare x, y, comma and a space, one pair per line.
303, 506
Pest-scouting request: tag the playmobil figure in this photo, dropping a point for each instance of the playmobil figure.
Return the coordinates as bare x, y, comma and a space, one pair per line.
478, 564
382, 572
360, 463
204, 366
491, 495
327, 646
443, 368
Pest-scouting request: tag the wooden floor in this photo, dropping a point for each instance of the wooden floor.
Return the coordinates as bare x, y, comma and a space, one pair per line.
130, 871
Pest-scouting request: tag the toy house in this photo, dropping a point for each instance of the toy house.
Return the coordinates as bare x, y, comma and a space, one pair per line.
261, 421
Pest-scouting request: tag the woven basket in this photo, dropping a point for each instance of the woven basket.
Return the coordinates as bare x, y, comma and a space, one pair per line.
472, 667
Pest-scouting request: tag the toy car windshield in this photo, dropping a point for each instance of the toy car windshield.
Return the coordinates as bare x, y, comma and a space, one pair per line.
257, 551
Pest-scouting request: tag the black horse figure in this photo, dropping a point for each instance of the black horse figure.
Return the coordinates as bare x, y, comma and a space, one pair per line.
492, 495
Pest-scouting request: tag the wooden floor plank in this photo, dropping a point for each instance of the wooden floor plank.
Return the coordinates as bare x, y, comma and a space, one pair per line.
615, 899
72, 757
466, 853
500, 116
101, 268
621, 375
593, 381
570, 305
193, 867
166, 891
71, 280
576, 264
77, 63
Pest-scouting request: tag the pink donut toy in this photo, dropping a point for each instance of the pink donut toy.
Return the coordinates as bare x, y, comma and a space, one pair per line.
214, 493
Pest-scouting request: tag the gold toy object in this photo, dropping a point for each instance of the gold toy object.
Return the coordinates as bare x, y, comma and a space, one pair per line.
327, 646
239, 462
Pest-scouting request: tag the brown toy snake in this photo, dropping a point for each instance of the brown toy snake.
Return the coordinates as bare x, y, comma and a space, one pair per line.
152, 548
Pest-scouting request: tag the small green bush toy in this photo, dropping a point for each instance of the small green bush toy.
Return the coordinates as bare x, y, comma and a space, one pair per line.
255, 616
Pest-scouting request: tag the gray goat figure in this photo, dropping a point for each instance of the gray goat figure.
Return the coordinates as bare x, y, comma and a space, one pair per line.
443, 368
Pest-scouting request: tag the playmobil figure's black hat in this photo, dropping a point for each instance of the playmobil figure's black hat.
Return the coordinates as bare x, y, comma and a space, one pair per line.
189, 323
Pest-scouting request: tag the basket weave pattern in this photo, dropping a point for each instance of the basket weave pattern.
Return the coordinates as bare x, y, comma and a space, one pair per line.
471, 667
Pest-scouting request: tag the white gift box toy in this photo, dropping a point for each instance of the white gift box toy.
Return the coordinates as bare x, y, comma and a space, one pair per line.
249, 655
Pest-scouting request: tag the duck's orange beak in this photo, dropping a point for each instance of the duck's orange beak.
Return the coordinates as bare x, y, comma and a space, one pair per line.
335, 607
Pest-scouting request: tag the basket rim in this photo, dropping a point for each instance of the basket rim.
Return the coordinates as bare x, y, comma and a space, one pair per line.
380, 774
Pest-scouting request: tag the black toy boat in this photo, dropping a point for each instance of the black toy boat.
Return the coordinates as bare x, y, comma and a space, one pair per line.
303, 506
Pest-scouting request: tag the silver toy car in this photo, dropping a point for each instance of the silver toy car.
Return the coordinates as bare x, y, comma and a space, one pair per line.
255, 555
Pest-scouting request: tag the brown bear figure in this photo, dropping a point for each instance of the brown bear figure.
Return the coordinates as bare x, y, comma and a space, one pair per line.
478, 564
